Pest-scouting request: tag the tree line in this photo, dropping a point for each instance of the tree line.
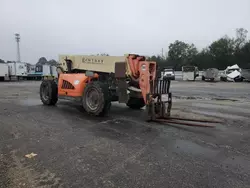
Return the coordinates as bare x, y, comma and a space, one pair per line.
219, 54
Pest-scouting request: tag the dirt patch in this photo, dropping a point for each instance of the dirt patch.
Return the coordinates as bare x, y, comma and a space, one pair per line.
16, 172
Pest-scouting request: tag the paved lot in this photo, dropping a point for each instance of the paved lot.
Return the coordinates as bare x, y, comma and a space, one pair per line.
75, 150
211, 90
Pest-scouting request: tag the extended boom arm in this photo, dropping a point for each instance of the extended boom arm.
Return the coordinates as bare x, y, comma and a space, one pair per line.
152, 89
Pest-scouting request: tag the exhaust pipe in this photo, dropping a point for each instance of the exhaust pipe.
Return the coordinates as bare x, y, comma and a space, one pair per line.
69, 65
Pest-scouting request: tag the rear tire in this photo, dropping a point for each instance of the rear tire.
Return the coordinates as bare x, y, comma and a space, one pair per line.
135, 103
49, 92
96, 99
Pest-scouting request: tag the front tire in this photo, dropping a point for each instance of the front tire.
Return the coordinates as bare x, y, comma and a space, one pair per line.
49, 92
135, 103
96, 99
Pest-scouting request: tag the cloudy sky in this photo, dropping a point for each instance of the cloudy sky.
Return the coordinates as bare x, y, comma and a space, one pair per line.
52, 27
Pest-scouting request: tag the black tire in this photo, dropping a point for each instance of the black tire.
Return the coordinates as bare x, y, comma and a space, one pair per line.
203, 78
135, 103
238, 79
223, 79
98, 93
49, 92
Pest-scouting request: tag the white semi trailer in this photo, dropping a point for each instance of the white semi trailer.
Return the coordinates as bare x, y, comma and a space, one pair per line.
4, 71
18, 70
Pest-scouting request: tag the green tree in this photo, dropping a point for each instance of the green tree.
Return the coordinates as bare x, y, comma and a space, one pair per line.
161, 62
241, 38
2, 61
42, 61
242, 48
204, 60
181, 53
243, 56
52, 62
219, 54
222, 52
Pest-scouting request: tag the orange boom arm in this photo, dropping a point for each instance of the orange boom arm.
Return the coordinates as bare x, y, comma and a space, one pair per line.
143, 70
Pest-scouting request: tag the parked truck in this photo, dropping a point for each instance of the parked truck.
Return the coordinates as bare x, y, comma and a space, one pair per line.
34, 72
168, 73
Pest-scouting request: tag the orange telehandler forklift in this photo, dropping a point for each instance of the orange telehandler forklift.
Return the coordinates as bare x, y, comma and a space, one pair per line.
99, 80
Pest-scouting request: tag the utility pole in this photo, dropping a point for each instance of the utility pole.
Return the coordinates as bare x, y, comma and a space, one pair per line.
17, 37
162, 53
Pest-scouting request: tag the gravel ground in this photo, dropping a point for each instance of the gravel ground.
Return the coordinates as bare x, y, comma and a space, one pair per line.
121, 150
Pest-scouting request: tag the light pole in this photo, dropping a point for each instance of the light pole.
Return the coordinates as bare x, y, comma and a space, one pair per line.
18, 48
17, 37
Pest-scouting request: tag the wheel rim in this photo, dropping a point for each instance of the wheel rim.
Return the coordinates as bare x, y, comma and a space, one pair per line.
45, 92
92, 99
